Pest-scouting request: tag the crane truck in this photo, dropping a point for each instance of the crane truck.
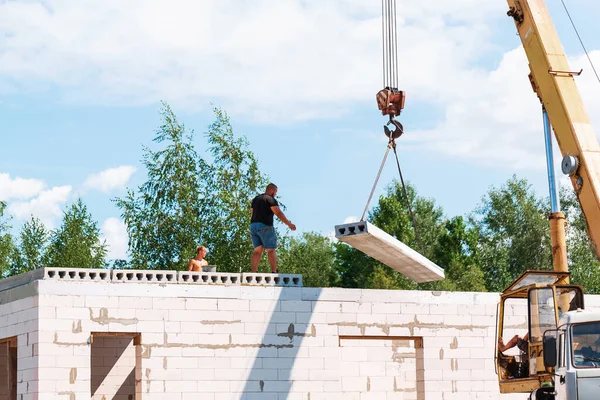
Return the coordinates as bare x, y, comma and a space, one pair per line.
561, 360
560, 357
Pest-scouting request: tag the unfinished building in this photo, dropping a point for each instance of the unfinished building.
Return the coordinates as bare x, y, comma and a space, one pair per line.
168, 335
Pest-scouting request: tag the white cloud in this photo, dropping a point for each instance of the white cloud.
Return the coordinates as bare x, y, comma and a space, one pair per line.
110, 179
287, 60
19, 188
46, 206
280, 60
115, 232
497, 119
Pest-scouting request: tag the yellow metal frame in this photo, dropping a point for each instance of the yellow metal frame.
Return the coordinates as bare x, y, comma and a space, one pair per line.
520, 289
553, 82
553, 278
532, 382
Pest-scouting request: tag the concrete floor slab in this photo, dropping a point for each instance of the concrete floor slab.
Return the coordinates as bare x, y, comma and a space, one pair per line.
388, 250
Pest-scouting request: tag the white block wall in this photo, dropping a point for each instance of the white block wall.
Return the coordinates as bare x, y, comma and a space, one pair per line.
249, 342
19, 318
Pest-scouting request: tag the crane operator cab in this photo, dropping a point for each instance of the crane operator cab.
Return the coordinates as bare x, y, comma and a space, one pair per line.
530, 306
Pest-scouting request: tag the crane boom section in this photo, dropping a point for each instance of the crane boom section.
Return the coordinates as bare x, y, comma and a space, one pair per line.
553, 81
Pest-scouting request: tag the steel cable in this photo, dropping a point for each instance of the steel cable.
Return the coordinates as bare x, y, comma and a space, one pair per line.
390, 43
410, 212
362, 218
580, 40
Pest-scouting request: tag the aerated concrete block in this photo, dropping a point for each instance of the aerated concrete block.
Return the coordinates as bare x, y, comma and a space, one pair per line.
139, 276
77, 274
208, 278
260, 279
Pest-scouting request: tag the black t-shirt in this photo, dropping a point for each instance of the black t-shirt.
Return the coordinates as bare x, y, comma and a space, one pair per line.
261, 209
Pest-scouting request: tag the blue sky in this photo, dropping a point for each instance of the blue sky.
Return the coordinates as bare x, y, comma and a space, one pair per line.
81, 85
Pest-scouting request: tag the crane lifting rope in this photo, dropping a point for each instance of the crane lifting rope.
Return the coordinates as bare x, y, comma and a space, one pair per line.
390, 100
362, 235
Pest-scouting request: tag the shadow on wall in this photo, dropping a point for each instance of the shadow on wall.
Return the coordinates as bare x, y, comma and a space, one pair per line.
273, 369
115, 364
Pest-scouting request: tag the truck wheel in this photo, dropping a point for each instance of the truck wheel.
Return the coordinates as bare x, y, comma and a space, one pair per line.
542, 394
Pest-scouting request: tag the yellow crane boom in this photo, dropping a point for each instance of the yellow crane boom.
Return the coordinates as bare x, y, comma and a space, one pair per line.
554, 83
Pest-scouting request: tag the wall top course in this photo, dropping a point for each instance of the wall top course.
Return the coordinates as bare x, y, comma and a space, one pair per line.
89, 282
151, 276
420, 299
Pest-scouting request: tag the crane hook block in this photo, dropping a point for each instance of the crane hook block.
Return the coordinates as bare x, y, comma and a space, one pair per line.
390, 101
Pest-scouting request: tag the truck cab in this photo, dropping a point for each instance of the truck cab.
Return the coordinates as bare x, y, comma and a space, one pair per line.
572, 350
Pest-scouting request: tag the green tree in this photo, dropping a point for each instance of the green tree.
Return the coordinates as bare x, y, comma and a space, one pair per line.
76, 244
456, 250
164, 218
392, 215
311, 255
513, 231
583, 262
353, 267
188, 201
30, 253
382, 278
233, 181
6, 243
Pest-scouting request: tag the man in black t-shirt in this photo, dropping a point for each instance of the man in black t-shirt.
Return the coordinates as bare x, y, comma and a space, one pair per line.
264, 206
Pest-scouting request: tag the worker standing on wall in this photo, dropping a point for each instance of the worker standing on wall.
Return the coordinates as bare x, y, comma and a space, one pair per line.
198, 262
264, 206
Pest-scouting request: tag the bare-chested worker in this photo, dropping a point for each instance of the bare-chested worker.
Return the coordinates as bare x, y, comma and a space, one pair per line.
198, 262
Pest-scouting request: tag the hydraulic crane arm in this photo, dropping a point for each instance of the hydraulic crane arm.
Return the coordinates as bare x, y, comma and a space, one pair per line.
552, 80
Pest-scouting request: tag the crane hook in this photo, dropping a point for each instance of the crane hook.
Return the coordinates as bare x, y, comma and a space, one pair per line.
396, 131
